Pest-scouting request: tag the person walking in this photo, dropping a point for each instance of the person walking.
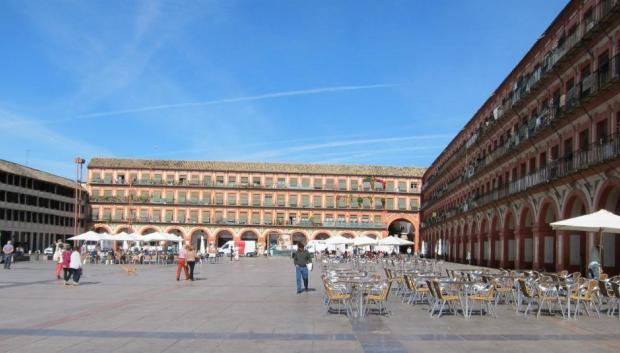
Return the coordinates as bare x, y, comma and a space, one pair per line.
66, 262
191, 260
75, 266
182, 263
301, 259
58, 260
7, 250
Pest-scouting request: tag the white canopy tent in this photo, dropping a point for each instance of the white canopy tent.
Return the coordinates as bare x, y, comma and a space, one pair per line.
88, 236
364, 240
202, 245
601, 221
338, 240
160, 236
394, 241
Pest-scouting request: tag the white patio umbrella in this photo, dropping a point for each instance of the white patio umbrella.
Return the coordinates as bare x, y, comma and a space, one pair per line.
601, 221
125, 245
364, 240
338, 240
123, 236
394, 241
202, 245
88, 236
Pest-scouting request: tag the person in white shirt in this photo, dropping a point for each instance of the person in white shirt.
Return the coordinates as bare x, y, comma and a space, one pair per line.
75, 266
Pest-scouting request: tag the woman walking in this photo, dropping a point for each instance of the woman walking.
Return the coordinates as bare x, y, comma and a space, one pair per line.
191, 260
181, 263
66, 261
76, 266
58, 260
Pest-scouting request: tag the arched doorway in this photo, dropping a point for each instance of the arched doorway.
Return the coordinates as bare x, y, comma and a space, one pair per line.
548, 238
575, 248
509, 239
525, 247
403, 229
222, 237
249, 235
321, 236
195, 239
299, 238
609, 199
348, 235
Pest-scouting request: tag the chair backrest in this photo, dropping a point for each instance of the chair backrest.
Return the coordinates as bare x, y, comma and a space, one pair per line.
437, 289
603, 276
408, 283
431, 289
590, 289
523, 287
615, 287
604, 289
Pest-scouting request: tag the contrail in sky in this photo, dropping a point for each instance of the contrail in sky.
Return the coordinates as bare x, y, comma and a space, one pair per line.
240, 99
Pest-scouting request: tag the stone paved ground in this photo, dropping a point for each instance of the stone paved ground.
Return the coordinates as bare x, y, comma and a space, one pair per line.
249, 306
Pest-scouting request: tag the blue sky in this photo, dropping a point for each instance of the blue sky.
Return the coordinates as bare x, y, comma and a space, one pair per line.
361, 82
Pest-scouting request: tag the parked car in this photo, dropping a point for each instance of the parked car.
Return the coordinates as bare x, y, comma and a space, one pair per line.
48, 251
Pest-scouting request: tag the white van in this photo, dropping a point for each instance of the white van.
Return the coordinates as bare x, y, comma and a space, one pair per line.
245, 247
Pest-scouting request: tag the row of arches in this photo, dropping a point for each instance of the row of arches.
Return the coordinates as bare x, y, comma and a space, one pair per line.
519, 236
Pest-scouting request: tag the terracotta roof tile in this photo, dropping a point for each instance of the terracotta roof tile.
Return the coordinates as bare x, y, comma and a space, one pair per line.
323, 169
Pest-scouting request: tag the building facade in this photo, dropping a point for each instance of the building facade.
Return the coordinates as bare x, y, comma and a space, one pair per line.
543, 147
222, 201
37, 208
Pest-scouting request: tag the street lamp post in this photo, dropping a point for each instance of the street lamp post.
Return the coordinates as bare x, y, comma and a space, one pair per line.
79, 163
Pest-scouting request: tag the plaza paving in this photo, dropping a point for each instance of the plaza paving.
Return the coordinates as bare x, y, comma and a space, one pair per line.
249, 306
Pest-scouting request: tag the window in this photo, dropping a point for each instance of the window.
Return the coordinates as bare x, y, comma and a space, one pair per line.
181, 216
342, 184
317, 201
169, 217
414, 186
193, 216
219, 180
341, 201
144, 215
206, 217
281, 183
256, 181
389, 186
366, 202
402, 186
169, 179
292, 201
156, 196
219, 217
232, 180
157, 179
377, 220
245, 181
389, 204
415, 204
329, 201
156, 216
318, 183
542, 160
255, 199
255, 218
232, 199
194, 180
269, 182
169, 196
194, 196
602, 131
243, 217
293, 182
329, 184
267, 218
206, 180
182, 197
268, 200
206, 197
354, 185
219, 198
231, 217
584, 140
243, 199
305, 183
305, 201
281, 202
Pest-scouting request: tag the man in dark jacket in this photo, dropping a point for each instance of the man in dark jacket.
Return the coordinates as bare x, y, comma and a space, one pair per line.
301, 259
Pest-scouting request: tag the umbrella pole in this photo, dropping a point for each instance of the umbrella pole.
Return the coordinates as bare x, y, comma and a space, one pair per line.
600, 250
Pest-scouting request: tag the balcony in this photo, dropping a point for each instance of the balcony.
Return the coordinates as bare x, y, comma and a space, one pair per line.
528, 84
595, 154
231, 222
585, 90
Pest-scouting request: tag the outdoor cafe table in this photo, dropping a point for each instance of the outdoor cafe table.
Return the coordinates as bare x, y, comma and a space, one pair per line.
463, 292
357, 284
569, 287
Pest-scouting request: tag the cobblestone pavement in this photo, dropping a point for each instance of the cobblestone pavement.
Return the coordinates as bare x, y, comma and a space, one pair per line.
250, 306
